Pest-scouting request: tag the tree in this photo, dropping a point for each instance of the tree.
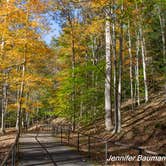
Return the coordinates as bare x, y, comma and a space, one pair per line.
108, 115
21, 50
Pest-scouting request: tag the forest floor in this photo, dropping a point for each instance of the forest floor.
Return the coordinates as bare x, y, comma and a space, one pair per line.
6, 141
145, 126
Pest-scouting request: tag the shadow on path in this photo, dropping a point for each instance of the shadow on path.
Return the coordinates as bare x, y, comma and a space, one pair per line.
32, 153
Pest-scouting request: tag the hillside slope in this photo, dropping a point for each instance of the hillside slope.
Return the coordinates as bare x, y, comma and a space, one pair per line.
145, 126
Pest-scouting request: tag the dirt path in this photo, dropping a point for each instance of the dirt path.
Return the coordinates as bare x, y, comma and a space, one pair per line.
32, 152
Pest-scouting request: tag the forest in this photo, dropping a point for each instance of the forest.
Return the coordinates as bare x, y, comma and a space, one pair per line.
109, 54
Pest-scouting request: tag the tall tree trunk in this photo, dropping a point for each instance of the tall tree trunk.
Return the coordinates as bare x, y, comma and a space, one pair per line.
3, 94
162, 26
20, 100
131, 66
93, 106
137, 68
3, 113
74, 90
4, 88
22, 84
108, 121
4, 104
143, 62
120, 72
135, 86
17, 99
73, 74
115, 75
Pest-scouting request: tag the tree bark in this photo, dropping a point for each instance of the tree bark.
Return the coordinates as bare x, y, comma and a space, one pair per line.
120, 78
162, 26
108, 121
20, 100
131, 66
143, 62
115, 85
4, 88
73, 73
120, 72
17, 99
137, 68
4, 104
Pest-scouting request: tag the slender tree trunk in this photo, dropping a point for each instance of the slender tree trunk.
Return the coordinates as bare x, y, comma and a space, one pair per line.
120, 79
162, 26
131, 66
3, 113
115, 76
74, 91
143, 62
20, 100
135, 87
3, 91
4, 105
27, 119
22, 84
87, 85
73, 76
137, 68
4, 88
17, 119
22, 119
21, 91
93, 75
120, 72
108, 122
73, 70
96, 87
